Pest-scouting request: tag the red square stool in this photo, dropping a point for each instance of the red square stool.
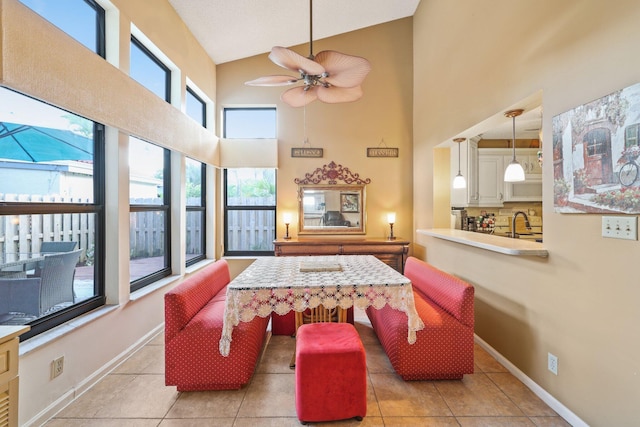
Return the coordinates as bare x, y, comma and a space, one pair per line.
331, 373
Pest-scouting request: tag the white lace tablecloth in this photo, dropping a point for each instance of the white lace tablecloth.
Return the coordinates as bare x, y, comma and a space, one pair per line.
276, 284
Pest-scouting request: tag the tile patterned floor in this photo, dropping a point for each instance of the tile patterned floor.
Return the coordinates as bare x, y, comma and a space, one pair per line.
134, 395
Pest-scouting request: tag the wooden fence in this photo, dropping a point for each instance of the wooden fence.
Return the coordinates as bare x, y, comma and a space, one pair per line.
250, 230
22, 234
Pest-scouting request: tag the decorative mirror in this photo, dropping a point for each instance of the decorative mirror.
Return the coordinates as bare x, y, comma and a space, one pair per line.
331, 200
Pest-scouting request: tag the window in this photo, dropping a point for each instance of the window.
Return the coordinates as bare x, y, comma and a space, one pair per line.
51, 214
254, 123
149, 231
81, 19
631, 135
196, 210
597, 141
196, 108
249, 194
149, 71
250, 211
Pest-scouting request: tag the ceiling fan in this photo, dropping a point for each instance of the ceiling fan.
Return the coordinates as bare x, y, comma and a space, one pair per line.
329, 76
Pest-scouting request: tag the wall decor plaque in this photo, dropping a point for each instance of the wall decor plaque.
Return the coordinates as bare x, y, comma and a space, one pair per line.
382, 152
307, 152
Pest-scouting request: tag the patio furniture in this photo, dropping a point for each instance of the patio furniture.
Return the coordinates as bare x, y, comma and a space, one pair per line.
37, 295
19, 296
54, 247
56, 279
331, 373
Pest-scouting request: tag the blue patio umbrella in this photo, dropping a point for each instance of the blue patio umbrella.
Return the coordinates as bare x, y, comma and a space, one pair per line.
40, 144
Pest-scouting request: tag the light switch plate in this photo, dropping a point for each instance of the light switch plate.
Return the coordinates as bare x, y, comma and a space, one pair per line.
620, 227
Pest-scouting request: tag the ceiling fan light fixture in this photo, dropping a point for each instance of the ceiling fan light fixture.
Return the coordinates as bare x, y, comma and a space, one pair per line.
514, 171
334, 77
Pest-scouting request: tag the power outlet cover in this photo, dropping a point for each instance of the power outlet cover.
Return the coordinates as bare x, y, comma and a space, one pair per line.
552, 363
57, 367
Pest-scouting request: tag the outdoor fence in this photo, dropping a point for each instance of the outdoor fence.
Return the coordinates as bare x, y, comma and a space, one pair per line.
24, 234
250, 230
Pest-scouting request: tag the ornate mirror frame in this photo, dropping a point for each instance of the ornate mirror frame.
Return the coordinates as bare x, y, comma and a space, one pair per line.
332, 200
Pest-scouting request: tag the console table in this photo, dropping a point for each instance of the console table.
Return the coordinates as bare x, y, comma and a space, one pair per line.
391, 252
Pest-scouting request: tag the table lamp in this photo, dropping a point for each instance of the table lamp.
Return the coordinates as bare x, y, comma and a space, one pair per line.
287, 221
391, 219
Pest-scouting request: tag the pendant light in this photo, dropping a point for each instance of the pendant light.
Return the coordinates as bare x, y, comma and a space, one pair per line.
514, 172
459, 181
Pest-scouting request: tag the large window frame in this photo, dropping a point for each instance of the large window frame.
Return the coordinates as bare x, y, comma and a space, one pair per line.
256, 129
193, 99
163, 208
81, 210
71, 27
200, 210
156, 61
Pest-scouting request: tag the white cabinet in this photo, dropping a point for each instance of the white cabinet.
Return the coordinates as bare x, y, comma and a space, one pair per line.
529, 190
463, 197
490, 179
484, 171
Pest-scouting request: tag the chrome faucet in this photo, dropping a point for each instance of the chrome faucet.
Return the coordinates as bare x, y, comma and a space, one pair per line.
513, 222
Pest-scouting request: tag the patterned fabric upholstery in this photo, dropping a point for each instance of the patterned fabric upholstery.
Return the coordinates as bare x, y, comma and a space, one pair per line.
444, 348
193, 325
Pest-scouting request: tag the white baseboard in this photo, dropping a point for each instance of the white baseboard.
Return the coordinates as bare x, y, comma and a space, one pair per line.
545, 396
88, 382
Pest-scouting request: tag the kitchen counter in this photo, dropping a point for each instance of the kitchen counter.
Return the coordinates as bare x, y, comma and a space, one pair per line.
503, 245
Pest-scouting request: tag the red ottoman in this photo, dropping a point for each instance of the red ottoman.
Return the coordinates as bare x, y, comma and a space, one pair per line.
331, 373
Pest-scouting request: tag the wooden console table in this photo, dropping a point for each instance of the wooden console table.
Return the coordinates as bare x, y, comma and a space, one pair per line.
391, 252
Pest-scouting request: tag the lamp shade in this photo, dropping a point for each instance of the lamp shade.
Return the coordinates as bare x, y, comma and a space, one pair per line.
287, 218
459, 181
391, 217
514, 172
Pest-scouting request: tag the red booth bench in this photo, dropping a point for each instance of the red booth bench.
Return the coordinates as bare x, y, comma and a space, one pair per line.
194, 312
444, 348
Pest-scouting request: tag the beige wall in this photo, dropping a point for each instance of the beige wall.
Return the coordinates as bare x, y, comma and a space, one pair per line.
473, 60
344, 131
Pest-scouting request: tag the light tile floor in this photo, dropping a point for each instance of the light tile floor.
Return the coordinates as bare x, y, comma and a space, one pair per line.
134, 394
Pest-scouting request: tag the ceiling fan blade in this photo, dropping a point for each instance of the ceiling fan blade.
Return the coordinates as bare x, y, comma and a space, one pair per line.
272, 81
335, 94
293, 61
344, 70
298, 97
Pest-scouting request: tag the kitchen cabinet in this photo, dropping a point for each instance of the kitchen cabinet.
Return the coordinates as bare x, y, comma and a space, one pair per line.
484, 171
529, 190
490, 180
463, 197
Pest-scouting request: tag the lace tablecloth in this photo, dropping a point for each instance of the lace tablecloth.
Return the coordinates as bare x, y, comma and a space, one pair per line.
277, 284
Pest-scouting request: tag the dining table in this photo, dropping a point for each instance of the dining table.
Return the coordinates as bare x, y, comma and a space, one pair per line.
16, 265
282, 284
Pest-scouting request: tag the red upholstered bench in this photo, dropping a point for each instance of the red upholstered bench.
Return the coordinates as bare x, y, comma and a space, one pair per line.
331, 373
444, 348
194, 312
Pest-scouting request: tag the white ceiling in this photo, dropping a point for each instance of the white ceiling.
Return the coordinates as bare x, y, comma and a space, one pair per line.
236, 29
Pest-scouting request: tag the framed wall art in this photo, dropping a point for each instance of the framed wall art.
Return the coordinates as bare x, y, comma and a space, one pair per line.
595, 155
349, 202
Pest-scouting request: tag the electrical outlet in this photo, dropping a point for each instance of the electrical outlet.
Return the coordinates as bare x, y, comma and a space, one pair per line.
620, 227
57, 366
552, 363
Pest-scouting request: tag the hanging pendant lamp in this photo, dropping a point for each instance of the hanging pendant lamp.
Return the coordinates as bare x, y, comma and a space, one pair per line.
459, 181
514, 171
